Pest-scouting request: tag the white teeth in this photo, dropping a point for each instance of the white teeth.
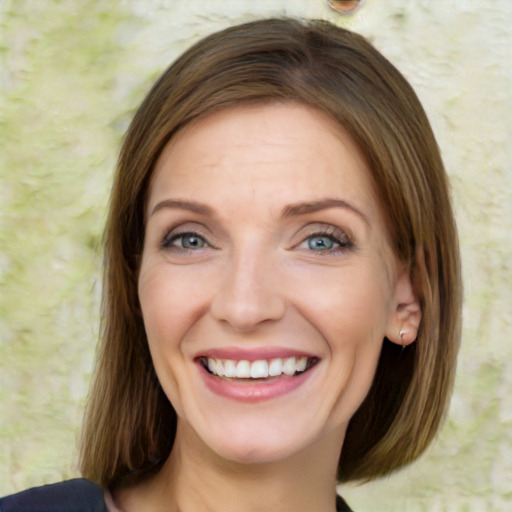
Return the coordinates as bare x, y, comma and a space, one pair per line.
275, 367
229, 368
219, 368
260, 369
243, 369
289, 366
301, 364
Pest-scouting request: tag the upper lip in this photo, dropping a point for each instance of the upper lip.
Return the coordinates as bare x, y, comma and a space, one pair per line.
253, 354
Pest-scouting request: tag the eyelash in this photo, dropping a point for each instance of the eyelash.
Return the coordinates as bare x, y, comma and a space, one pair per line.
170, 238
339, 238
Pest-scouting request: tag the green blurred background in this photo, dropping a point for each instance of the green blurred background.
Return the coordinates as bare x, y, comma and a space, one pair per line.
73, 71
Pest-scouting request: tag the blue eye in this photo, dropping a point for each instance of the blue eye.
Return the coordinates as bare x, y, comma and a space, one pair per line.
321, 243
188, 241
192, 241
329, 240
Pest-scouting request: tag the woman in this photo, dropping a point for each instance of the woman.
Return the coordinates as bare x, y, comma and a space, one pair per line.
282, 286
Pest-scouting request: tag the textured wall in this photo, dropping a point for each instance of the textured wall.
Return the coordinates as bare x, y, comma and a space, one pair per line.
72, 73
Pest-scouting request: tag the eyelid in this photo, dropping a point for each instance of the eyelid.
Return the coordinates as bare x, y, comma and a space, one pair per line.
319, 228
340, 236
167, 242
181, 230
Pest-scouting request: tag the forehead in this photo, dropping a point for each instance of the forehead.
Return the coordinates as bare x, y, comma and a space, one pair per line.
289, 147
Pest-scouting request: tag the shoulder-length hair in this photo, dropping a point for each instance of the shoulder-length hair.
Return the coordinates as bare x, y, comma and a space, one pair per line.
130, 424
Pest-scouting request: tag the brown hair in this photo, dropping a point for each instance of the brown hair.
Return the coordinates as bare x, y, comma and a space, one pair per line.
130, 424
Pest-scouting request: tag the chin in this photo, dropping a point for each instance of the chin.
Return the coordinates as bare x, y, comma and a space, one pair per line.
269, 442
258, 453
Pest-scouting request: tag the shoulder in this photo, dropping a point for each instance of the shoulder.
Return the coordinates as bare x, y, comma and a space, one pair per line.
341, 505
76, 495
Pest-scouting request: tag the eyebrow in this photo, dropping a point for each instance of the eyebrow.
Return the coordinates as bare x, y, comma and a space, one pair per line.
322, 204
291, 210
184, 205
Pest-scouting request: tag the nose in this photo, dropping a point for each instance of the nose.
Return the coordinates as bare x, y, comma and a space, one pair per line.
250, 293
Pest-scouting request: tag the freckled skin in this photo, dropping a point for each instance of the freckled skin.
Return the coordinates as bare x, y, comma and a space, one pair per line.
255, 280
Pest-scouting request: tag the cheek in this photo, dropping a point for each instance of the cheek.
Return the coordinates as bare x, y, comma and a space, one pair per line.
170, 300
173, 301
350, 312
352, 306
164, 315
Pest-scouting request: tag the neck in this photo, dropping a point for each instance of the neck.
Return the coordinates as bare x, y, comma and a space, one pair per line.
193, 479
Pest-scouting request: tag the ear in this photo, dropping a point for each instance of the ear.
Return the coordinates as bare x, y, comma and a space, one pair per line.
405, 319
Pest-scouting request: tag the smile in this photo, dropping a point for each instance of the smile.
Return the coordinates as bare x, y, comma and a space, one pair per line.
258, 369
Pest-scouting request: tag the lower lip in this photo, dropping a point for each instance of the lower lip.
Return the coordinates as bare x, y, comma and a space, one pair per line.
249, 390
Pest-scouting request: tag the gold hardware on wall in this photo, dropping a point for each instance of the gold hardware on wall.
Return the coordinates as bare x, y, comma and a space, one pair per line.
345, 6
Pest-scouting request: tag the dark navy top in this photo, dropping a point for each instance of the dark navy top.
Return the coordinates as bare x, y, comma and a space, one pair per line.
76, 495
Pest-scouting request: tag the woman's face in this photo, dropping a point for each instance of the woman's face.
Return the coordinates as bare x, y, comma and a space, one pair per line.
267, 281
